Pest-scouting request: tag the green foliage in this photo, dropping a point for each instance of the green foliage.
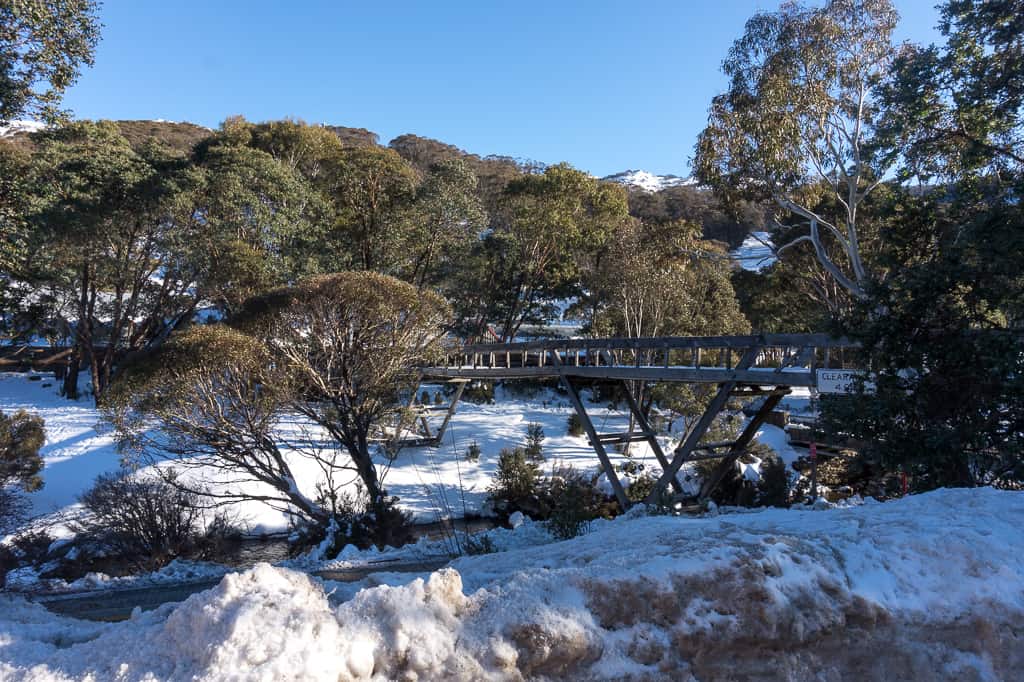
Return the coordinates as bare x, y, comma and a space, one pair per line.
516, 483
947, 404
479, 545
572, 503
958, 109
473, 452
21, 437
773, 486
574, 425
43, 46
535, 442
549, 223
479, 392
801, 79
359, 522
447, 220
372, 190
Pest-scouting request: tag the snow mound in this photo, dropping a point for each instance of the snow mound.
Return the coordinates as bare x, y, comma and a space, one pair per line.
265, 623
929, 587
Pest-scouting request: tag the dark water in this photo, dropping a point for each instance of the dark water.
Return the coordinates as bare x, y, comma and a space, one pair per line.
252, 551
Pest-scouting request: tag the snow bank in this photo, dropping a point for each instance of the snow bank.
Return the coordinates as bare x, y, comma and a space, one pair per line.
930, 587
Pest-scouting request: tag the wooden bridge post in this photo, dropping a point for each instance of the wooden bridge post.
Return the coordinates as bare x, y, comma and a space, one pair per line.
450, 413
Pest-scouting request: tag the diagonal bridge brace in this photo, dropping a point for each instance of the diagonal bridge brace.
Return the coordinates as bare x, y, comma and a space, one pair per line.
684, 451
595, 439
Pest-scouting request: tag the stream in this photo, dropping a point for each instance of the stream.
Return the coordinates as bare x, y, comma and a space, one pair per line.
117, 604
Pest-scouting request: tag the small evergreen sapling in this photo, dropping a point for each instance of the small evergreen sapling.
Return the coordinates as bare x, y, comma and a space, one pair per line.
535, 442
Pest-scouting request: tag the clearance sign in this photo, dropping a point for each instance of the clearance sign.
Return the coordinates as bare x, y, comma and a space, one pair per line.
840, 380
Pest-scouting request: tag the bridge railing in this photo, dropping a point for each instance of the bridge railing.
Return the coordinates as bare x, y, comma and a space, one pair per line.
794, 352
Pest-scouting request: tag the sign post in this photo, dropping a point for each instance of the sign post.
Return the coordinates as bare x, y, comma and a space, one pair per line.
814, 471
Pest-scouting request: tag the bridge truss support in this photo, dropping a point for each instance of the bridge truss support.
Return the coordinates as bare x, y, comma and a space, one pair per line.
768, 366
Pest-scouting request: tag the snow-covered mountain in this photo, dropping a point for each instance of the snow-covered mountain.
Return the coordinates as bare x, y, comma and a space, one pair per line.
15, 127
648, 182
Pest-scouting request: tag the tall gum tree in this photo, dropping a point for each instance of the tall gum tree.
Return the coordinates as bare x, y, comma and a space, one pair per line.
801, 110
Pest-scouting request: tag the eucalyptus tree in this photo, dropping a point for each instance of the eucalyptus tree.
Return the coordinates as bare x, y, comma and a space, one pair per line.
448, 218
349, 343
258, 215
664, 280
107, 226
372, 189
548, 222
799, 118
947, 403
43, 46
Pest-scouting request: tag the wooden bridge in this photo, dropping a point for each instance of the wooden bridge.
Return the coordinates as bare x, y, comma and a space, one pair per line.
767, 366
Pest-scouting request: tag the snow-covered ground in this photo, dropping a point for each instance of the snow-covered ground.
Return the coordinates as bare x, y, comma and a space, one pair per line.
755, 253
923, 588
15, 127
429, 481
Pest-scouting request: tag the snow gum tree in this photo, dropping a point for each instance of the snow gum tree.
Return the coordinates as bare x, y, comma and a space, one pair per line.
800, 115
240, 406
210, 401
348, 342
533, 253
948, 354
112, 241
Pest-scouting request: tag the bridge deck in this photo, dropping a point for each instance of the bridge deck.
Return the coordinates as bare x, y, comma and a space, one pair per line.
781, 359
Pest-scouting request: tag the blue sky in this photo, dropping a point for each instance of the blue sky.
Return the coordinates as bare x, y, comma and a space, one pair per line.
605, 86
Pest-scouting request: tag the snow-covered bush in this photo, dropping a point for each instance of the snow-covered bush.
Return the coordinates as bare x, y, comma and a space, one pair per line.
148, 521
21, 437
535, 442
574, 426
473, 452
355, 521
773, 485
29, 548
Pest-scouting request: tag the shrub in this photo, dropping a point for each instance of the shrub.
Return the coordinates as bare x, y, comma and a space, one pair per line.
773, 487
21, 437
516, 483
574, 425
572, 501
641, 486
148, 520
355, 521
24, 549
479, 392
482, 545
473, 452
535, 442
